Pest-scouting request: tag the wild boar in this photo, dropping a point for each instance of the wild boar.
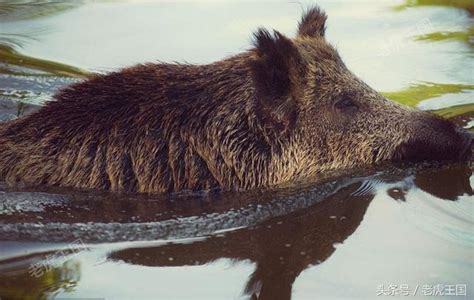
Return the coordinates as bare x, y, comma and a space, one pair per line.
284, 110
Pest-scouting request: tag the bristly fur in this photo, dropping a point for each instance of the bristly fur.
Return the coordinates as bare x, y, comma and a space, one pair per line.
275, 78
313, 23
270, 115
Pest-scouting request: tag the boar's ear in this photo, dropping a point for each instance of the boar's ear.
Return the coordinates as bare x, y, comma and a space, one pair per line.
313, 23
275, 72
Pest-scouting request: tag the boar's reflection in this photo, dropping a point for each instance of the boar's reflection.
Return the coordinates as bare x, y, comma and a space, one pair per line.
282, 247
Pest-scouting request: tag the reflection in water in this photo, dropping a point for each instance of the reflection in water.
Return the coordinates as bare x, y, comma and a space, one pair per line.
449, 184
281, 245
285, 246
101, 217
18, 279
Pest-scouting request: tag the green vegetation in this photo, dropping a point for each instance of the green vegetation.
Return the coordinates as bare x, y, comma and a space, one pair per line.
418, 92
10, 57
12, 62
463, 4
454, 111
461, 36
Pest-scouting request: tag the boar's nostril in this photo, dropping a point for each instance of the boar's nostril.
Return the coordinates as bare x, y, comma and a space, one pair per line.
454, 144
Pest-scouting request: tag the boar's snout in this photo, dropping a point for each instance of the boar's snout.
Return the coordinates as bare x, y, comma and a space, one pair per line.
435, 139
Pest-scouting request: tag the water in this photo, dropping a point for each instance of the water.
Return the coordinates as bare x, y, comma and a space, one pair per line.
357, 234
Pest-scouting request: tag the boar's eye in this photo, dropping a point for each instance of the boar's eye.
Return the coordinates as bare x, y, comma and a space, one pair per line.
345, 103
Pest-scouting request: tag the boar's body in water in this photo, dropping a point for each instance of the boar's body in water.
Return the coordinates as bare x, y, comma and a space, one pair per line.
282, 111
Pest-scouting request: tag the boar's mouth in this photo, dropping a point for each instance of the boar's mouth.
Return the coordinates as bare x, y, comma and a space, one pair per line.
458, 148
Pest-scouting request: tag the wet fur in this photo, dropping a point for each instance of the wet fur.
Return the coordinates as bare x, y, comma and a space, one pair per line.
256, 119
